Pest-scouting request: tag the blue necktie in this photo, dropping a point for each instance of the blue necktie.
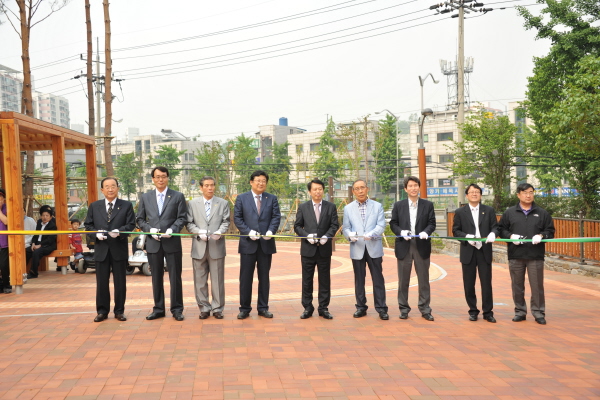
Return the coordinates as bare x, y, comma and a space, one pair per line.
160, 203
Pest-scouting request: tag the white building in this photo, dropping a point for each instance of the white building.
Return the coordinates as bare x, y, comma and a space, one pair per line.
11, 85
52, 108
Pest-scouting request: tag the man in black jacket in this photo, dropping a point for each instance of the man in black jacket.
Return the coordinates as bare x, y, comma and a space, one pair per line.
527, 221
476, 220
316, 219
111, 251
41, 245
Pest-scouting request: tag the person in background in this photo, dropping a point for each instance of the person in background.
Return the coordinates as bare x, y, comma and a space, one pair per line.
4, 265
28, 225
75, 242
41, 245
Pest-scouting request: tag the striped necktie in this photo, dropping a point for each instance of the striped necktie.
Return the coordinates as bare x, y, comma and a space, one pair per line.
207, 208
161, 201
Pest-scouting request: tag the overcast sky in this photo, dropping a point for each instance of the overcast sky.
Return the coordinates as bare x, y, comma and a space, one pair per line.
192, 87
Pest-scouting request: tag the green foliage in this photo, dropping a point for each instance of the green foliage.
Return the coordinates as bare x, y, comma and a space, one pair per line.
353, 138
170, 158
487, 152
212, 160
385, 155
128, 170
326, 163
244, 162
279, 167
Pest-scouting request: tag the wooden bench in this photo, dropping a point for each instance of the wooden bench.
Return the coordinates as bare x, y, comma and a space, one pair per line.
55, 254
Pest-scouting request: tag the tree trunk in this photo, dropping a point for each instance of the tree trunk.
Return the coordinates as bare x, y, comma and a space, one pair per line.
107, 94
89, 72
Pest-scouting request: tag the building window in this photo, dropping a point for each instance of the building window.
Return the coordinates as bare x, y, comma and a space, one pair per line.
299, 148
148, 178
429, 183
441, 137
72, 192
444, 158
314, 146
428, 159
43, 165
444, 182
425, 138
138, 147
369, 146
185, 157
147, 146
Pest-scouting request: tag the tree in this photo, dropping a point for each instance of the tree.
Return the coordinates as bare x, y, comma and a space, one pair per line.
487, 152
279, 168
244, 162
384, 153
170, 158
128, 169
326, 163
352, 138
24, 18
108, 97
210, 161
89, 76
572, 27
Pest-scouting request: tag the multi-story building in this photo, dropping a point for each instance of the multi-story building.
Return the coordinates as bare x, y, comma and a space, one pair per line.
53, 109
11, 85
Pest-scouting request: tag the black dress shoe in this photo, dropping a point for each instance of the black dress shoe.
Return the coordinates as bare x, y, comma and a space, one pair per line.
404, 315
384, 316
519, 318
218, 315
266, 314
360, 313
120, 317
100, 317
473, 317
155, 315
204, 315
541, 321
325, 314
490, 319
178, 317
243, 315
306, 314
428, 317
29, 276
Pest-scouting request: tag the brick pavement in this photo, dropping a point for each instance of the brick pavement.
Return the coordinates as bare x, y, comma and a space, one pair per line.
53, 350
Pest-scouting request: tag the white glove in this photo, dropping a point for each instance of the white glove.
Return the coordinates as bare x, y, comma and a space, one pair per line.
513, 236
471, 242
424, 235
405, 235
114, 233
368, 236
267, 235
215, 236
154, 230
536, 239
323, 240
491, 238
101, 235
352, 237
311, 238
253, 235
167, 234
202, 234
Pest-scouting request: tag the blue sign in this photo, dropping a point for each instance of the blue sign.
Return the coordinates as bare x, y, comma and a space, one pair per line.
443, 191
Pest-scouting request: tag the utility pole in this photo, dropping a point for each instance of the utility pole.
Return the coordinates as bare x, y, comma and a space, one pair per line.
98, 111
107, 93
89, 72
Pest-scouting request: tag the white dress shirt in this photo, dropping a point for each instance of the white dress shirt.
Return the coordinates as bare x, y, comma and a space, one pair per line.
413, 207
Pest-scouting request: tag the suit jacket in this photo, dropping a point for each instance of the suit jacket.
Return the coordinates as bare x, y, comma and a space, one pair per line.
48, 241
122, 218
374, 224
465, 225
246, 218
401, 222
217, 221
174, 216
306, 223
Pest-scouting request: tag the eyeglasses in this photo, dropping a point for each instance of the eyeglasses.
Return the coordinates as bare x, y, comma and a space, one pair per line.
264, 182
476, 192
161, 176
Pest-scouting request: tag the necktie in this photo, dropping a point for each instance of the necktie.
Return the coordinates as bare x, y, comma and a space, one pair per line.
476, 220
160, 203
317, 212
110, 209
258, 203
207, 208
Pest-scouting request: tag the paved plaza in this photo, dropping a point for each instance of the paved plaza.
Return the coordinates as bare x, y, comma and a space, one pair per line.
52, 349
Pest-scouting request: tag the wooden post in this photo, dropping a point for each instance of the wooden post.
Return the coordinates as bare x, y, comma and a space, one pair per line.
331, 199
90, 169
14, 202
59, 164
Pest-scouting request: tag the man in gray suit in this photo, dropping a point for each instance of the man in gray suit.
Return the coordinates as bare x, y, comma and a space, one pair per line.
208, 216
162, 212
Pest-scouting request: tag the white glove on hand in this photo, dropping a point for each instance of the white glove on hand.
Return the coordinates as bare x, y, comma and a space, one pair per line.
405, 235
114, 233
423, 235
491, 238
513, 236
167, 234
323, 240
202, 234
215, 236
266, 237
352, 237
154, 230
471, 242
368, 236
253, 235
101, 235
536, 239
311, 238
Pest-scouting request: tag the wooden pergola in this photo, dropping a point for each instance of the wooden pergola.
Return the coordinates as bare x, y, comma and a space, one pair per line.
22, 133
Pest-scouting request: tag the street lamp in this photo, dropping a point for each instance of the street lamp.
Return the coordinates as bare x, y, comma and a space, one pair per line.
422, 170
422, 81
397, 154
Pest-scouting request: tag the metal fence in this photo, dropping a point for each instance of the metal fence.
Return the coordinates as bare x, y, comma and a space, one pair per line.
565, 228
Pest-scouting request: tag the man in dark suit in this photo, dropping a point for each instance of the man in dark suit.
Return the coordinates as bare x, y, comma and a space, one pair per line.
163, 211
316, 220
257, 216
409, 217
476, 220
41, 245
110, 216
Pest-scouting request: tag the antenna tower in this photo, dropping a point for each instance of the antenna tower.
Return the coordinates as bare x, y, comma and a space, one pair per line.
450, 69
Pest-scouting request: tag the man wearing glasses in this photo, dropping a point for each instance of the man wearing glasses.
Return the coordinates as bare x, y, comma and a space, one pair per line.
364, 224
526, 220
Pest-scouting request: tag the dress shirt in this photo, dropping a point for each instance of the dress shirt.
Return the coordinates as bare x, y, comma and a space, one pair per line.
29, 225
315, 205
475, 214
113, 203
413, 207
526, 212
362, 208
